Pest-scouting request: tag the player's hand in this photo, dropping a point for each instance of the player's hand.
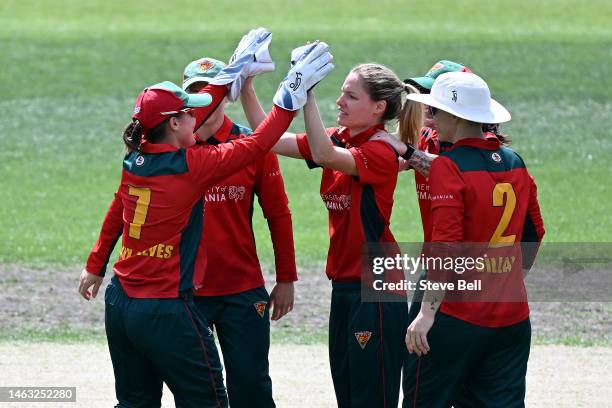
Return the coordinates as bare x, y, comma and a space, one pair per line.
298, 52
281, 299
250, 43
403, 165
89, 284
416, 334
262, 60
255, 43
313, 64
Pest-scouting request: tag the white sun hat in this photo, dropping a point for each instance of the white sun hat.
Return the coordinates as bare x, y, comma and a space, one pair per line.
464, 95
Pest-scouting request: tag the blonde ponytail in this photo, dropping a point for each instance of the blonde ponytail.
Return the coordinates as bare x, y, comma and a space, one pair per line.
410, 118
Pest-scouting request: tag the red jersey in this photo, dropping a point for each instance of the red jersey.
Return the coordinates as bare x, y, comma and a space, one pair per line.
161, 201
359, 206
482, 193
228, 241
428, 142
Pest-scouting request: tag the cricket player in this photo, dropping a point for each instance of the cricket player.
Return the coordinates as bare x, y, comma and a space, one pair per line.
233, 297
155, 332
429, 147
366, 348
470, 354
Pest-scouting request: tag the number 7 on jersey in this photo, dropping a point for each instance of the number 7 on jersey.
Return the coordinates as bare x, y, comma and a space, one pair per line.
142, 207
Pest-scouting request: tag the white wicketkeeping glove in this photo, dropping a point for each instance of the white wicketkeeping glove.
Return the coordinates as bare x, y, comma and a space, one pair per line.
297, 52
313, 64
263, 61
236, 71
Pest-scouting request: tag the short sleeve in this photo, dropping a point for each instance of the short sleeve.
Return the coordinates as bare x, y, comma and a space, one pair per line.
376, 161
446, 183
304, 147
447, 188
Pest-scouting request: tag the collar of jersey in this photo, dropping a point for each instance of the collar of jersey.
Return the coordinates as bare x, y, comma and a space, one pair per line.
360, 138
487, 144
223, 134
490, 136
147, 147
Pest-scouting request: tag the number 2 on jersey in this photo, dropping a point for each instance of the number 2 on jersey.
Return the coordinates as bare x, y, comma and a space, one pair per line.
501, 191
142, 207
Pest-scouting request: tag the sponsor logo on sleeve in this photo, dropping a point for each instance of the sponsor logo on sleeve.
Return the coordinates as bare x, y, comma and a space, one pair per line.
442, 197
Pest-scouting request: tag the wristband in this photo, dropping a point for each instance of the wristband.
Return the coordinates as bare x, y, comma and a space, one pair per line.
409, 152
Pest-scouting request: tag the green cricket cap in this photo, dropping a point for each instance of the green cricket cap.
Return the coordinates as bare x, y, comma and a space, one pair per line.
201, 70
440, 67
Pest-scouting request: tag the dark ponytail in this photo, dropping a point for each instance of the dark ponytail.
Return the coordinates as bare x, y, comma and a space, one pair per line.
132, 135
494, 129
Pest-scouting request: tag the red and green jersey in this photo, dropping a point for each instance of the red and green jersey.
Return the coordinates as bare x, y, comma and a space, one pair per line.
360, 206
158, 208
481, 192
227, 249
428, 142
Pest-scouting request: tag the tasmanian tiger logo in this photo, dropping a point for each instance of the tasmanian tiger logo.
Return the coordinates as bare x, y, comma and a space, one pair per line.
362, 338
260, 307
205, 66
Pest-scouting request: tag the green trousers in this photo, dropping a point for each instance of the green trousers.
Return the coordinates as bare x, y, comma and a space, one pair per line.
469, 366
242, 324
152, 341
366, 348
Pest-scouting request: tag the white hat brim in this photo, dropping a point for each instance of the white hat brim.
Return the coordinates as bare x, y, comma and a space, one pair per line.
495, 114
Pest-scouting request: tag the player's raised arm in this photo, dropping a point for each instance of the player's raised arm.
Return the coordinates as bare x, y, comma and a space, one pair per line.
214, 164
251, 106
286, 145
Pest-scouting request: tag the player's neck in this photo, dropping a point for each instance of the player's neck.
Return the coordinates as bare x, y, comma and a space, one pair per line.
356, 131
468, 132
209, 129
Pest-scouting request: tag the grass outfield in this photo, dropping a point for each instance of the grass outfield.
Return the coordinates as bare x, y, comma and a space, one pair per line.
71, 70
